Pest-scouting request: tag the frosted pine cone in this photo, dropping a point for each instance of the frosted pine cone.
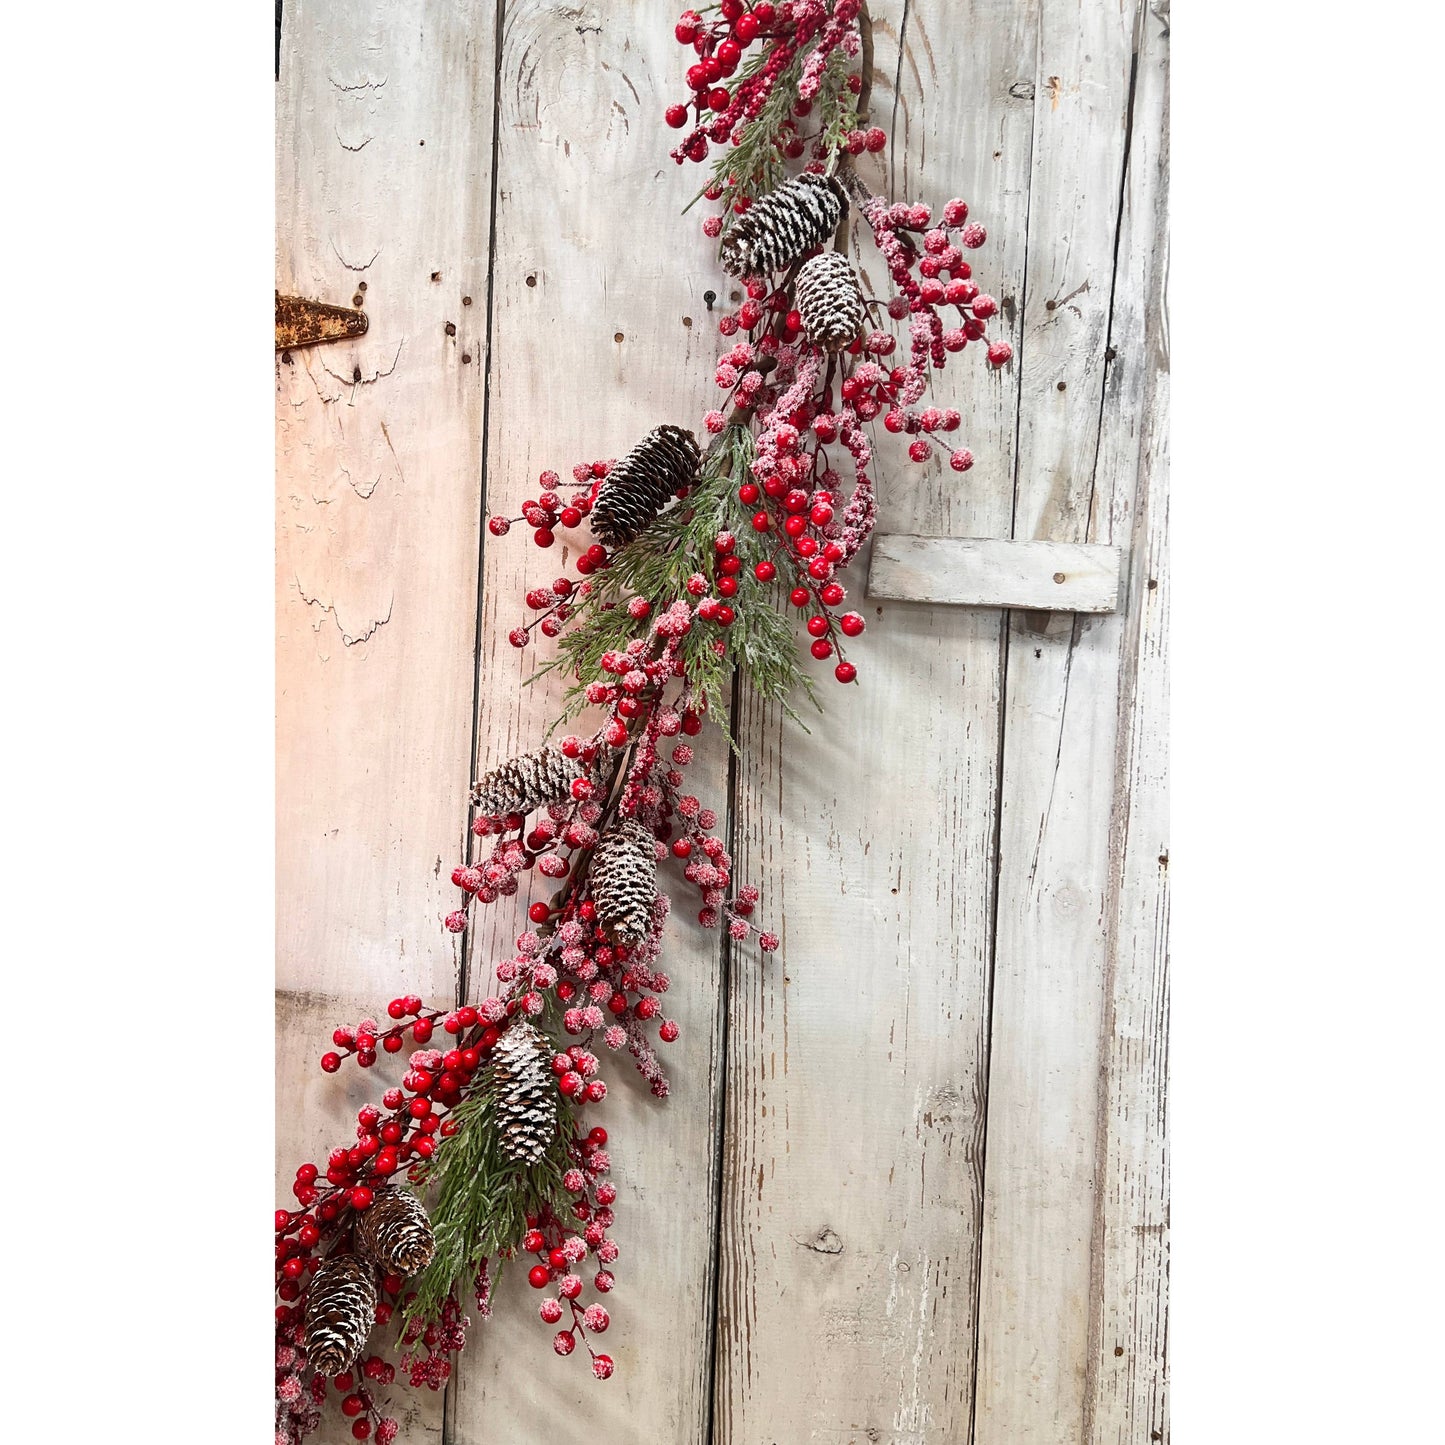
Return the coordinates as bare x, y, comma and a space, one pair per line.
624, 881
340, 1311
776, 230
531, 781
643, 483
395, 1234
524, 1092
829, 301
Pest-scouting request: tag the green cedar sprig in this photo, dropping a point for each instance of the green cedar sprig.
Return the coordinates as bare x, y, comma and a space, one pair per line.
656, 566
482, 1199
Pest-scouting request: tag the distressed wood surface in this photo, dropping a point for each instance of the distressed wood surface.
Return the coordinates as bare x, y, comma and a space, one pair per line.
858, 1055
379, 111
1042, 1273
1126, 1399
910, 1186
995, 572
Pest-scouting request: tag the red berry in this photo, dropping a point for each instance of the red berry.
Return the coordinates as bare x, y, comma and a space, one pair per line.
761, 521
799, 596
539, 913
719, 99
999, 353
747, 28
330, 1062
765, 571
821, 649
676, 117
361, 1429
539, 1276
597, 1137
818, 626
359, 1198
833, 594
851, 624
602, 1366
748, 494
564, 1342
669, 1031
498, 526
845, 672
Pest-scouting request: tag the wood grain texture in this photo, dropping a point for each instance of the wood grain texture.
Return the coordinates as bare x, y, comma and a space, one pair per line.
911, 1185
379, 111
995, 572
600, 333
1127, 1401
857, 1055
1045, 1177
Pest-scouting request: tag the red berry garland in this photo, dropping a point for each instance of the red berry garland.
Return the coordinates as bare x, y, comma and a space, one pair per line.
690, 571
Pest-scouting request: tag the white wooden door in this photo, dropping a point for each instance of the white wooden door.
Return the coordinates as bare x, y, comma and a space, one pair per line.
910, 1186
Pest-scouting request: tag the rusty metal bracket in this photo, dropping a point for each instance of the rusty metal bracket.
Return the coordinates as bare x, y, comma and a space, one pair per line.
305, 323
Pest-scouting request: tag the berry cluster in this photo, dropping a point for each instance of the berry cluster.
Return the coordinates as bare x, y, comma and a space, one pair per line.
548, 510
800, 40
932, 279
560, 1250
299, 1402
697, 563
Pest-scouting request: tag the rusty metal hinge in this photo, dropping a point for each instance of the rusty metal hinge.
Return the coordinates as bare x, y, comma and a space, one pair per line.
305, 323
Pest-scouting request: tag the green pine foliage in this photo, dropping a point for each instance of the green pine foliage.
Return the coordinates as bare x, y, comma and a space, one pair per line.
482, 1199
756, 166
656, 565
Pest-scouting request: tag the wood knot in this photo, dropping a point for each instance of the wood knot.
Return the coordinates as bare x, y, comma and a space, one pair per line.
826, 1241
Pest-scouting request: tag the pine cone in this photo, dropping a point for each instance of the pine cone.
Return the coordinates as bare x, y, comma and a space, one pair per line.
777, 229
524, 1091
395, 1234
640, 485
340, 1310
531, 781
624, 881
829, 301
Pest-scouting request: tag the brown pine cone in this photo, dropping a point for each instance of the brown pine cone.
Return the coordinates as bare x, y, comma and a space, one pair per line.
340, 1311
395, 1233
623, 880
829, 301
640, 485
782, 226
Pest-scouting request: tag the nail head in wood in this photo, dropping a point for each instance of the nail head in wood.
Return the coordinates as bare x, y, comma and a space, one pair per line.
996, 572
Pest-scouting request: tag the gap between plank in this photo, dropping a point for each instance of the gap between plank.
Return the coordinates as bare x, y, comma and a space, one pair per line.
713, 1291
1005, 637
464, 939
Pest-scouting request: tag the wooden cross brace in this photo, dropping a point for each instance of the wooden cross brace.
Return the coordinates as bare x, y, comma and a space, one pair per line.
996, 572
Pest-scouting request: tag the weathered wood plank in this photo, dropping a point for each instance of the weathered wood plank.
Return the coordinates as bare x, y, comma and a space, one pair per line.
1051, 978
995, 572
1127, 1400
600, 332
852, 1185
378, 112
